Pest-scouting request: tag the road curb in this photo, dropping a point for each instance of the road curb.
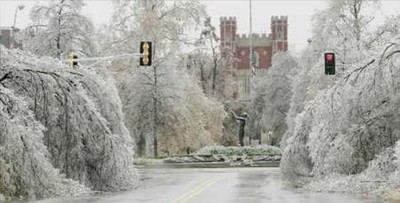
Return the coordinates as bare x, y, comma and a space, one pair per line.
210, 165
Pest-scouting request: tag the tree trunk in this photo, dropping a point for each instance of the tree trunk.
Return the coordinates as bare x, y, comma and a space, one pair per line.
215, 59
155, 101
58, 40
202, 78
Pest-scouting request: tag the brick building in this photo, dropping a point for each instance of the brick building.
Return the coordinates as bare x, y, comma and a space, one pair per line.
7, 35
264, 46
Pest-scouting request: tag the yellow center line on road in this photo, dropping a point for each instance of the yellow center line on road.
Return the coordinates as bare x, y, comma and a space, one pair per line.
197, 190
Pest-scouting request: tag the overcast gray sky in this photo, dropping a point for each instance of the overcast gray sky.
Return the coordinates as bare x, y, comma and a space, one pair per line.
299, 13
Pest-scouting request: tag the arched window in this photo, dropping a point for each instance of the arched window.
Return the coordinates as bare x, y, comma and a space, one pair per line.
255, 60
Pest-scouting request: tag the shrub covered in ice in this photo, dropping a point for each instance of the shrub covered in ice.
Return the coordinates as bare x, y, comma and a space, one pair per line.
249, 150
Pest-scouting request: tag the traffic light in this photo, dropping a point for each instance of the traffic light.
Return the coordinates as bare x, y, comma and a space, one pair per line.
75, 63
72, 57
145, 54
329, 63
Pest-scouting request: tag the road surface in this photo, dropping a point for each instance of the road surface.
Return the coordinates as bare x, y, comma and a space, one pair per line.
218, 185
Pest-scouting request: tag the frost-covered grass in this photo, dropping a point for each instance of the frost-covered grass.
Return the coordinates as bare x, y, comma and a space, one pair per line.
256, 150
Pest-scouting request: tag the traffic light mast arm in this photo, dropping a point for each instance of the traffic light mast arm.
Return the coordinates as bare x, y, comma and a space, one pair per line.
104, 58
145, 55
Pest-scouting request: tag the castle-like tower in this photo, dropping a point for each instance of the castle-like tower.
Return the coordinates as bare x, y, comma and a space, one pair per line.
279, 31
228, 28
264, 46
228, 37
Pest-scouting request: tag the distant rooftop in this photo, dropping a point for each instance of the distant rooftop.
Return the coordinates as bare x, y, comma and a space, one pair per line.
258, 40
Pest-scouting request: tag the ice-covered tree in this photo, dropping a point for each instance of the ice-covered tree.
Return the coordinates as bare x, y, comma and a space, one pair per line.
159, 99
357, 120
166, 23
212, 64
59, 28
272, 97
82, 116
198, 64
350, 125
173, 115
334, 30
25, 167
299, 86
362, 108
343, 27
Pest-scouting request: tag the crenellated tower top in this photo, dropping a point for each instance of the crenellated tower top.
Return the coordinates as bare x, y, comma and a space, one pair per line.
279, 33
228, 28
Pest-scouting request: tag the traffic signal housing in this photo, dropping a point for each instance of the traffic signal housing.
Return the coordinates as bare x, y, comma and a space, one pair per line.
146, 51
329, 63
75, 63
72, 57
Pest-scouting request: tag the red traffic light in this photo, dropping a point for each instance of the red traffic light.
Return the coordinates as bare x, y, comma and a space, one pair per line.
329, 57
330, 64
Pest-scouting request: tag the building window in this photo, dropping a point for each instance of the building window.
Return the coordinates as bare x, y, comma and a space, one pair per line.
280, 35
255, 60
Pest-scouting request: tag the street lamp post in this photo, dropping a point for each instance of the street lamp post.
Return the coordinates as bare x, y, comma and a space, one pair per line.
13, 29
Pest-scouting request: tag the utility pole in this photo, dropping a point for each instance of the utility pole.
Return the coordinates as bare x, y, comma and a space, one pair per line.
252, 67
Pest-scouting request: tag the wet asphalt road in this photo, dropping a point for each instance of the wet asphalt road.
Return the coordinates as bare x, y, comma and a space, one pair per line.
217, 185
